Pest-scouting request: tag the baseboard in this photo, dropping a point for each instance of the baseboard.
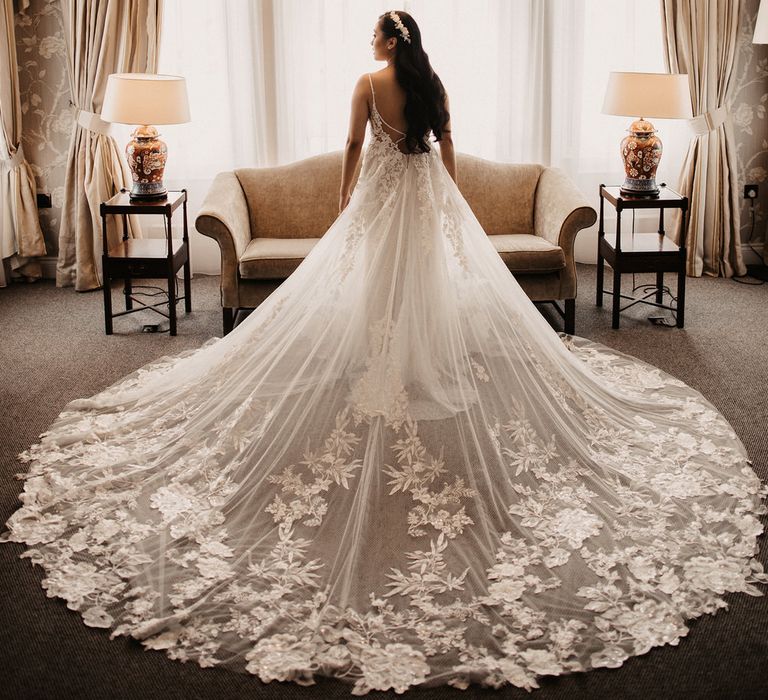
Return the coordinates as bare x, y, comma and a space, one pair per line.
750, 253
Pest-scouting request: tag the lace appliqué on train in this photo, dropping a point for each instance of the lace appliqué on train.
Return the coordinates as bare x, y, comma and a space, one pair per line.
380, 391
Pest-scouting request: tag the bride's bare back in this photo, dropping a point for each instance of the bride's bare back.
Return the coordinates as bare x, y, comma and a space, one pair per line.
390, 103
389, 97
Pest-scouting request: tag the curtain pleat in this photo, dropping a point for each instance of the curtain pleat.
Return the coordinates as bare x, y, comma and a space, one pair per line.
110, 36
700, 40
21, 238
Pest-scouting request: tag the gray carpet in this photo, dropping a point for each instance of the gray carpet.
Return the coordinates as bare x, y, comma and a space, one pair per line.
53, 349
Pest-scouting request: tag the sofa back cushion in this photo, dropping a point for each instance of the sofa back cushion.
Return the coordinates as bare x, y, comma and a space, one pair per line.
501, 195
298, 200
301, 199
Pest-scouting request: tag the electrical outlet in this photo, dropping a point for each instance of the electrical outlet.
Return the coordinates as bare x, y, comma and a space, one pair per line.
750, 191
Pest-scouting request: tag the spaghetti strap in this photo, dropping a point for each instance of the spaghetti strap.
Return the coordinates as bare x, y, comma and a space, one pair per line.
373, 95
375, 109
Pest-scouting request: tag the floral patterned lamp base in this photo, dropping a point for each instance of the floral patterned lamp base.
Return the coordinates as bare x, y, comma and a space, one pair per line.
641, 152
147, 155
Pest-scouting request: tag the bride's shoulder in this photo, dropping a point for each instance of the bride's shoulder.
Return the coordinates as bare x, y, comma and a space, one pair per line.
363, 84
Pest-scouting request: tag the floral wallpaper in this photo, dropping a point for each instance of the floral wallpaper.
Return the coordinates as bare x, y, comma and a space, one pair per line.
748, 112
48, 117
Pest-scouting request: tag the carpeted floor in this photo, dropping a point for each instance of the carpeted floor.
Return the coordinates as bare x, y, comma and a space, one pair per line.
53, 349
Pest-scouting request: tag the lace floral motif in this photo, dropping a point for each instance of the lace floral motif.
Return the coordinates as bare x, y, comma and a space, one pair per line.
354, 236
647, 571
332, 465
284, 507
380, 390
415, 472
451, 225
426, 198
480, 372
387, 159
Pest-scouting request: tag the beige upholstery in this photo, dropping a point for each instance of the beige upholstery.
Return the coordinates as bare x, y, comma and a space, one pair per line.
266, 220
524, 252
274, 258
312, 188
501, 195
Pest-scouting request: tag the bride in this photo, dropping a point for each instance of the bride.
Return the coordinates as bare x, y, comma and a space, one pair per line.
395, 472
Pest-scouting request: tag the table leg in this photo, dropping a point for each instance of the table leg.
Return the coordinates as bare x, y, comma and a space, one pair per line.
659, 287
187, 286
600, 276
172, 298
616, 264
570, 316
127, 282
600, 260
105, 279
681, 293
187, 264
228, 319
107, 306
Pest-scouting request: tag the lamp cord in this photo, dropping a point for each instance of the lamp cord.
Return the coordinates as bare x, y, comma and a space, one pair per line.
665, 290
160, 292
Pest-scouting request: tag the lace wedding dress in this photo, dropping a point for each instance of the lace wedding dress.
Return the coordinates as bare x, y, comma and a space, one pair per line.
396, 473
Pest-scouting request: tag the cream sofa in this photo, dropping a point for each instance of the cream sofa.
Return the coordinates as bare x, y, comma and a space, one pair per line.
266, 220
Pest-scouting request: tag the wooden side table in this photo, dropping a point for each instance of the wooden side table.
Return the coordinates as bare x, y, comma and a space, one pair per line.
641, 252
146, 258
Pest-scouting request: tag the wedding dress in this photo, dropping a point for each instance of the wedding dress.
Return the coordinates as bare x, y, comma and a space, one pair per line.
396, 473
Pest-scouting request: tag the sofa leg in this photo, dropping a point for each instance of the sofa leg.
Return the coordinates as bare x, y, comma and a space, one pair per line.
570, 316
229, 319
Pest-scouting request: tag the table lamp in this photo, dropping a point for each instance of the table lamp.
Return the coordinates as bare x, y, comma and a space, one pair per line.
144, 99
658, 95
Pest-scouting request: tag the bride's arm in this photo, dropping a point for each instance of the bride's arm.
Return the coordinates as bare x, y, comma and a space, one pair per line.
354, 146
446, 146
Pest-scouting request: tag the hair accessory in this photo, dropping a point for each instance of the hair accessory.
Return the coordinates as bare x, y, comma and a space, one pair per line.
400, 26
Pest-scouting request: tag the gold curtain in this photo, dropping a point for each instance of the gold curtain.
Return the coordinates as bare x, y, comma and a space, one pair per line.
700, 40
21, 238
109, 36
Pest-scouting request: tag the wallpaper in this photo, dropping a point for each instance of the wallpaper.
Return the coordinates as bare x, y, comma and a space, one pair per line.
48, 116
748, 111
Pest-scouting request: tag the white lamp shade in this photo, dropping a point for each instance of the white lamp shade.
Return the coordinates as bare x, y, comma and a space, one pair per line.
761, 25
145, 98
656, 95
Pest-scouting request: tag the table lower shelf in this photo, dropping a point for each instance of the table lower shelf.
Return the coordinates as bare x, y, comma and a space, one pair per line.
632, 243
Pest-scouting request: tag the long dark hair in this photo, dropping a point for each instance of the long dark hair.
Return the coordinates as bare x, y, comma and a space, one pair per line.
425, 108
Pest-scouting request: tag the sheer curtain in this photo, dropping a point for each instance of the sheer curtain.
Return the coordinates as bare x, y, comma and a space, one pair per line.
526, 80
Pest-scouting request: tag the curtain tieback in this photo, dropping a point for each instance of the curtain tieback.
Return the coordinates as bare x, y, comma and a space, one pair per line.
14, 161
93, 122
708, 121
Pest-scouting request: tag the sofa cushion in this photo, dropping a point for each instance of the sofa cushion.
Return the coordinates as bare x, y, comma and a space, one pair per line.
297, 200
501, 195
523, 252
301, 199
274, 258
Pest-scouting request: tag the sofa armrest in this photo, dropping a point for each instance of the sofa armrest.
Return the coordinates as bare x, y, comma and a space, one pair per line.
560, 210
224, 217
